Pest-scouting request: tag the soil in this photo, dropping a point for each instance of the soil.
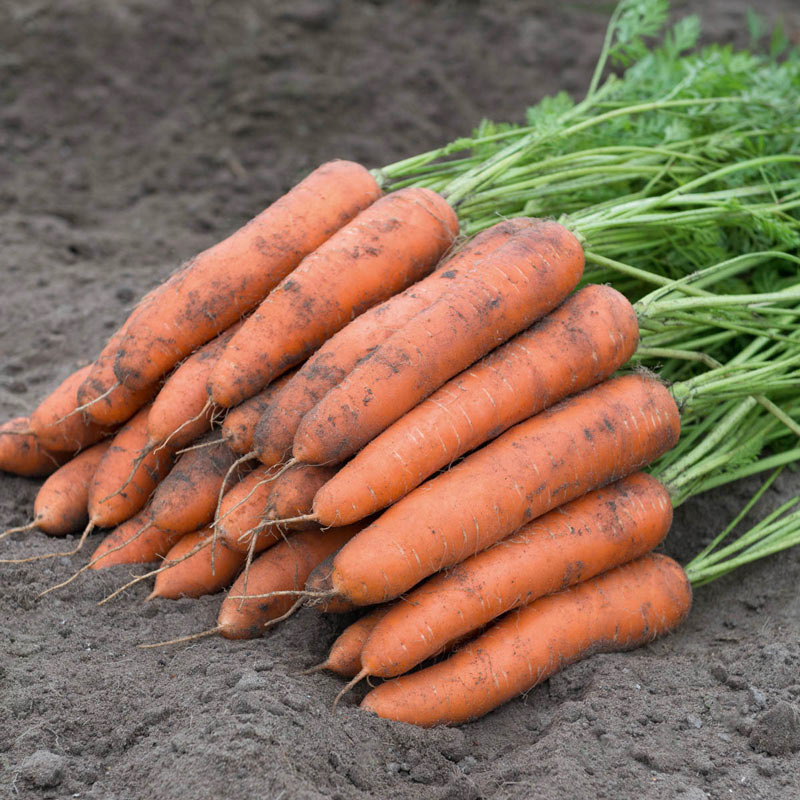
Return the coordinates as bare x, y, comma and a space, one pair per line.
134, 134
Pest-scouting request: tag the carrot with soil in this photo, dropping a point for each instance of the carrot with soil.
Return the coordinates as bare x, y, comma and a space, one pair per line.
21, 453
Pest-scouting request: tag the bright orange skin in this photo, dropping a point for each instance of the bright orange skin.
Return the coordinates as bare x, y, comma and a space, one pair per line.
293, 493
187, 497
282, 568
183, 397
503, 293
151, 543
62, 504
320, 581
601, 530
584, 442
391, 244
344, 657
327, 367
21, 454
56, 428
582, 342
239, 427
217, 287
239, 517
195, 576
622, 609
115, 469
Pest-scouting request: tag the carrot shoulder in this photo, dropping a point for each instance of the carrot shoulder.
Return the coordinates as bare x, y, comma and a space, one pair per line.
501, 295
622, 609
218, 286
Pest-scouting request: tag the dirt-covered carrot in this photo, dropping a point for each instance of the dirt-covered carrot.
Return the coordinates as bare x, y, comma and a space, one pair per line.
135, 541
338, 356
391, 244
293, 491
218, 286
500, 296
282, 568
319, 583
21, 453
601, 530
582, 342
585, 442
619, 610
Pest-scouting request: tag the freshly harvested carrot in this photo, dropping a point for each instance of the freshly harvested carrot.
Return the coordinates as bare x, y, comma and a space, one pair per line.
391, 244
619, 610
282, 568
56, 425
339, 355
318, 583
194, 574
135, 541
582, 342
21, 453
504, 293
293, 493
187, 497
584, 442
218, 286
239, 427
603, 529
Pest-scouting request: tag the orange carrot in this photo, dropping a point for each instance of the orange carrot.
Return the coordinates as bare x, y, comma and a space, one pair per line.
319, 582
582, 342
603, 529
622, 609
135, 541
293, 493
340, 354
582, 443
283, 568
21, 453
241, 512
218, 286
501, 295
391, 244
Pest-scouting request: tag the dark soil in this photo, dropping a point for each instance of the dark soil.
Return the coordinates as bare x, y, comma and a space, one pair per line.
134, 134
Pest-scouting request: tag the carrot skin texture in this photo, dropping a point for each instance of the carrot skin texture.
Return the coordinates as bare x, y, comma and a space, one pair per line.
56, 427
327, 367
391, 244
344, 657
187, 497
577, 541
242, 510
282, 568
21, 454
582, 342
619, 610
319, 581
62, 504
502, 295
221, 284
584, 442
293, 494
124, 546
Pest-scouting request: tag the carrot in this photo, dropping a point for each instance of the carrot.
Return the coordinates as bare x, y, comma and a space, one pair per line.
327, 367
580, 444
293, 493
135, 541
622, 609
56, 425
283, 568
579, 344
238, 429
218, 286
391, 244
318, 583
501, 295
603, 529
191, 574
21, 453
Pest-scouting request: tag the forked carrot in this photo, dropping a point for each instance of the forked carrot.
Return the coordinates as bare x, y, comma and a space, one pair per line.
21, 453
619, 610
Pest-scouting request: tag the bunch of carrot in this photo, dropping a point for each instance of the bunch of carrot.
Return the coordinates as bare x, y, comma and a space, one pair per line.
406, 413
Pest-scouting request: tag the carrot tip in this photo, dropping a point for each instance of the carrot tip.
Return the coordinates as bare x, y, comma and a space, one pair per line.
361, 675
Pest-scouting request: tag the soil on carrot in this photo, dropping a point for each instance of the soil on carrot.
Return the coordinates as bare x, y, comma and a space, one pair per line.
134, 134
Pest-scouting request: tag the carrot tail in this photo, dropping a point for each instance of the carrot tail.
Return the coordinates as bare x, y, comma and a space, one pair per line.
348, 686
188, 638
29, 527
87, 530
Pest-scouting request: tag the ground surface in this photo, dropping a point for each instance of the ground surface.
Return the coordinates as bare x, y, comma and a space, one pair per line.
134, 134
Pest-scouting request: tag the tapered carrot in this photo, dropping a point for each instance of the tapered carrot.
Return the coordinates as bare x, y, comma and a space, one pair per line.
585, 340
21, 453
501, 295
339, 355
585, 442
56, 425
318, 584
391, 244
622, 609
603, 529
218, 286
135, 541
293, 492
282, 568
